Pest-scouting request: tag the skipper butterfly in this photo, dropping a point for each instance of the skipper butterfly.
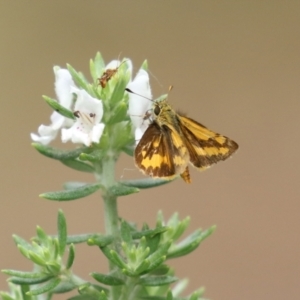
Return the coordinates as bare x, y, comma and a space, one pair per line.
173, 141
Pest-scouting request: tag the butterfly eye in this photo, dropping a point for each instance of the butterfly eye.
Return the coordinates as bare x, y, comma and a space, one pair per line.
157, 110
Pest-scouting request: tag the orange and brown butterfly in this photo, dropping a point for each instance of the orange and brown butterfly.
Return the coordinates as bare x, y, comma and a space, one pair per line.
108, 74
173, 141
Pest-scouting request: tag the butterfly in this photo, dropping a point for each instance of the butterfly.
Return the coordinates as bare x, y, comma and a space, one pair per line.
173, 141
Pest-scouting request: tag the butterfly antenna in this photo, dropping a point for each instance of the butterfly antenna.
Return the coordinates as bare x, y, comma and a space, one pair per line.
169, 91
156, 79
130, 91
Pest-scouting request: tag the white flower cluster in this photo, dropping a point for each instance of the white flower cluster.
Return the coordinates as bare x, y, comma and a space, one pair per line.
88, 111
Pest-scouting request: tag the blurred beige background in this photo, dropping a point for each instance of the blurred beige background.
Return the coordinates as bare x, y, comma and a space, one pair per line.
235, 67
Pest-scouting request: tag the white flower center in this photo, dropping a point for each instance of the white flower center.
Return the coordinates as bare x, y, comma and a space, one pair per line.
86, 121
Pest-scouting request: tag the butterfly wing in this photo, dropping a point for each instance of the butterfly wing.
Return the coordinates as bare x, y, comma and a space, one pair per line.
205, 147
161, 152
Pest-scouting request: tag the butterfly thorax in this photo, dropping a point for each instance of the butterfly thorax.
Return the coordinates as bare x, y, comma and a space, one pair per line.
164, 115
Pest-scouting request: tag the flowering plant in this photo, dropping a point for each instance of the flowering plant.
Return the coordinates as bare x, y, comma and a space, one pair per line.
105, 120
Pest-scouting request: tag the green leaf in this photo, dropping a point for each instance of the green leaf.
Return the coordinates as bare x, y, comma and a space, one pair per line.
21, 274
145, 183
37, 259
6, 296
100, 240
199, 293
42, 236
78, 77
62, 232
78, 165
158, 257
119, 113
71, 256
97, 66
53, 267
143, 267
157, 280
153, 242
144, 65
70, 185
122, 135
50, 285
161, 270
93, 290
149, 232
155, 298
95, 156
73, 194
55, 251
80, 238
114, 257
119, 89
23, 251
180, 287
190, 243
58, 153
117, 259
107, 279
64, 287
159, 219
34, 280
154, 264
122, 190
181, 227
21, 242
59, 108
161, 98
84, 297
169, 295
126, 232
24, 289
129, 150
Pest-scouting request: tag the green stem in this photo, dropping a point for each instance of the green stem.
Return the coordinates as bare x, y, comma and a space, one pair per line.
111, 215
130, 289
105, 174
110, 201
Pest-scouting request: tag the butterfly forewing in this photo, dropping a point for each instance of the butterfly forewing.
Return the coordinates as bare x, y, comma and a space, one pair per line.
205, 146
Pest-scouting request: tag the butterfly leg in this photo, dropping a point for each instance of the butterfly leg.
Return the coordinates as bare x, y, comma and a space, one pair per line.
185, 175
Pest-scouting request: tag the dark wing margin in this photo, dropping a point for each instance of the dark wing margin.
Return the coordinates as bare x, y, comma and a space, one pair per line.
205, 146
153, 153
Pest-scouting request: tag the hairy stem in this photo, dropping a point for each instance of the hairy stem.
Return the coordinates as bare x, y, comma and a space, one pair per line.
105, 173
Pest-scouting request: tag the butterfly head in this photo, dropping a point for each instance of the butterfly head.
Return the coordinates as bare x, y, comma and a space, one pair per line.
161, 110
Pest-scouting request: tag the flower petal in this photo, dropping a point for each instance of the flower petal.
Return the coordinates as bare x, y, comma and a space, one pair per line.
63, 86
87, 104
46, 135
86, 129
138, 106
115, 64
97, 132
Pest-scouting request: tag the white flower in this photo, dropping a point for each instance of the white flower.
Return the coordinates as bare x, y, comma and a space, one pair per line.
115, 64
88, 112
140, 105
63, 86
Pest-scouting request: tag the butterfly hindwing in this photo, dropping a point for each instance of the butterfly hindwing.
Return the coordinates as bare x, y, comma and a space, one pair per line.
160, 152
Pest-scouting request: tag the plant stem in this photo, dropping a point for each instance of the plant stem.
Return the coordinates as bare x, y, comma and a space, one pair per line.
105, 173
111, 215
